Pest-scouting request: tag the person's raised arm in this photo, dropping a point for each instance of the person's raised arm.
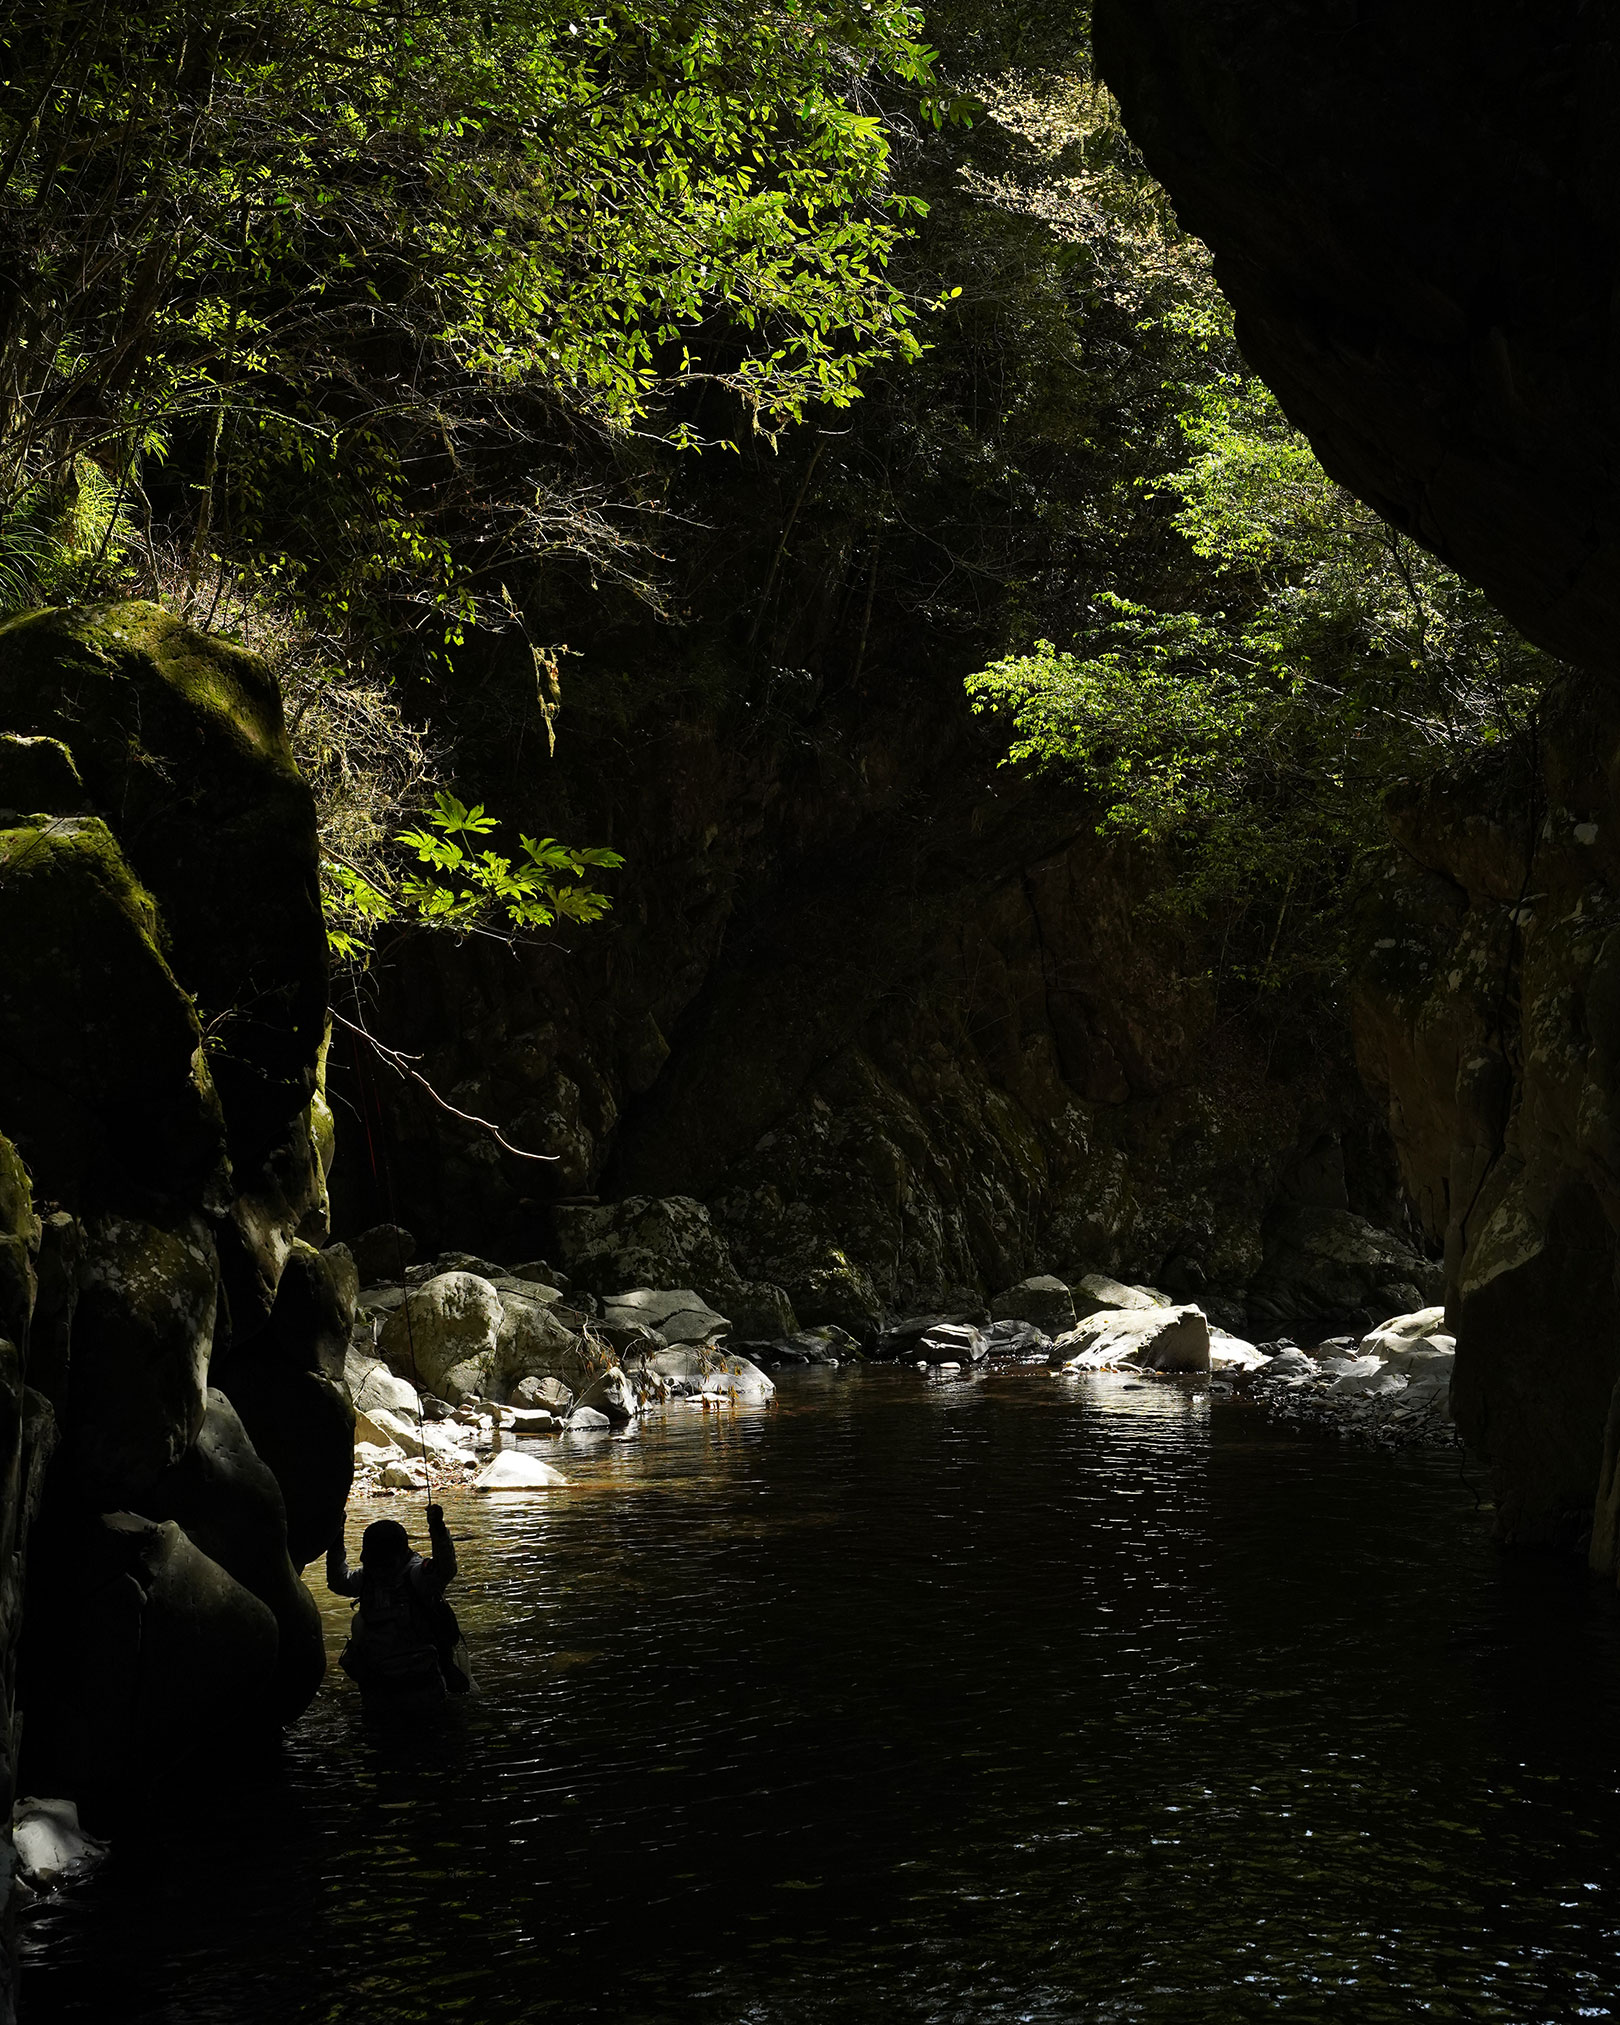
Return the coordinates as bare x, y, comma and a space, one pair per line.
340, 1578
442, 1567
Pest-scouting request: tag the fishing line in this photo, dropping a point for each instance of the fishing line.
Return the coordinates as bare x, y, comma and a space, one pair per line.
385, 1179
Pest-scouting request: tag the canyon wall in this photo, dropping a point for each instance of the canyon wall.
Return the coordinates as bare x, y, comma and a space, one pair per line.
904, 1023
174, 1446
1416, 213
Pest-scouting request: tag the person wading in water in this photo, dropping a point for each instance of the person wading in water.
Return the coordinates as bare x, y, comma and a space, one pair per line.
405, 1646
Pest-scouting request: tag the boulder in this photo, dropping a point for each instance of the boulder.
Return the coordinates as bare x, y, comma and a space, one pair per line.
679, 1316
381, 1387
143, 699
530, 1290
1368, 1378
141, 1342
53, 1851
899, 1338
1232, 1353
374, 1434
445, 1336
155, 1652
383, 1252
1152, 1339
511, 1470
230, 1506
953, 1343
107, 1088
1018, 1339
1321, 1264
540, 1339
690, 1373
647, 1241
302, 1428
610, 1392
453, 1262
313, 1318
38, 778
549, 1393
1043, 1301
1097, 1293
587, 1420
829, 1345
538, 1270
404, 1473
759, 1309
1407, 1332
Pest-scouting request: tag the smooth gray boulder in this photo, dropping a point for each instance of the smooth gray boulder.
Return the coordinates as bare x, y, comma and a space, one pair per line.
383, 1388
445, 1336
1018, 1339
610, 1392
548, 1393
689, 1372
953, 1343
679, 1316
1097, 1293
1151, 1339
512, 1470
1043, 1301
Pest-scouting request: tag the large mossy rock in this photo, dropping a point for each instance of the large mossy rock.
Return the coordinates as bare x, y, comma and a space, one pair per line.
142, 1337
162, 1043
178, 738
1486, 1000
103, 1084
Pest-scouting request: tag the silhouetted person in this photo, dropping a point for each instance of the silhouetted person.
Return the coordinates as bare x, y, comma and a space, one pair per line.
404, 1643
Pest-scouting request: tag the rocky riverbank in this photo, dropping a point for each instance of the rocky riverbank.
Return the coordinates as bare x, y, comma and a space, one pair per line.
456, 1361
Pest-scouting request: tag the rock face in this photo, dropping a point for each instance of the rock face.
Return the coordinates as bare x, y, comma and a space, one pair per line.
1487, 1015
1416, 211
162, 1037
878, 1036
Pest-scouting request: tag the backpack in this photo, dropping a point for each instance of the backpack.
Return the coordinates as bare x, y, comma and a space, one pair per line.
403, 1643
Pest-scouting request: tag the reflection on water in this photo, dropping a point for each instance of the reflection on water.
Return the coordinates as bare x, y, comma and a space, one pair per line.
1004, 1699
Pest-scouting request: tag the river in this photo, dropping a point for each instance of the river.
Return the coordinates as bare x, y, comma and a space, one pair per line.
1005, 1699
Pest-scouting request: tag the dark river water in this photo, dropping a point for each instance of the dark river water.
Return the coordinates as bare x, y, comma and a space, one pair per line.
999, 1700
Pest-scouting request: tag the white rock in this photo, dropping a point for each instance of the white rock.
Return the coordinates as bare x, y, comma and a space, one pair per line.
52, 1849
953, 1342
405, 1473
1153, 1339
372, 1434
586, 1419
372, 1455
1231, 1353
679, 1316
380, 1387
511, 1470
1097, 1292
1406, 1332
1370, 1384
710, 1374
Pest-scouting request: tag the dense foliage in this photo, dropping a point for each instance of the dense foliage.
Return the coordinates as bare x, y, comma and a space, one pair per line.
387, 334
1251, 715
366, 265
